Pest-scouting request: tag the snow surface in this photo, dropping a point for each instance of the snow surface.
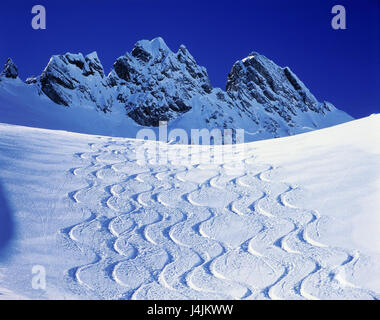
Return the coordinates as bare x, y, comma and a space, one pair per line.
288, 218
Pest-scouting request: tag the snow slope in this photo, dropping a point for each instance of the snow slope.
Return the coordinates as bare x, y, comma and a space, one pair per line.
289, 218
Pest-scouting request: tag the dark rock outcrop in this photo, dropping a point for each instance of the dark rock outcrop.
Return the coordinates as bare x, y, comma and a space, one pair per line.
10, 70
161, 83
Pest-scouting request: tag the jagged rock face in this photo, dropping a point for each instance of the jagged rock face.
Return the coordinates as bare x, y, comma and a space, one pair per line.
161, 83
10, 70
152, 84
72, 79
257, 84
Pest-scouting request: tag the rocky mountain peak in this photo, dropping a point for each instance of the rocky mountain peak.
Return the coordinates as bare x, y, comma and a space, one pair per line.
10, 70
152, 84
160, 83
66, 80
151, 51
278, 90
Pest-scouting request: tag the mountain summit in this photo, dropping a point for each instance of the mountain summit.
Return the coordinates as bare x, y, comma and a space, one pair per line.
152, 84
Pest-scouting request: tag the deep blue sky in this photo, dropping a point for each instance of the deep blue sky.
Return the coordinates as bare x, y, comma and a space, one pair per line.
339, 66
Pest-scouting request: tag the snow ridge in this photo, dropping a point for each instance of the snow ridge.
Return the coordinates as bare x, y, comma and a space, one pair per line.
152, 84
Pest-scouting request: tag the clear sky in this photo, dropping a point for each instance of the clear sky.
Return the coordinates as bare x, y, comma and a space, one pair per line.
341, 66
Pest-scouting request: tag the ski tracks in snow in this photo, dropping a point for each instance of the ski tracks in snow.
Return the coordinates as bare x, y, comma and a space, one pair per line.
215, 231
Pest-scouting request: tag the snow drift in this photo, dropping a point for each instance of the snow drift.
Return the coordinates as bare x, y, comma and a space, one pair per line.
289, 218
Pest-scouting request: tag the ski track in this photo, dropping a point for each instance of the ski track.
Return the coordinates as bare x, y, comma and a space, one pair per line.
148, 236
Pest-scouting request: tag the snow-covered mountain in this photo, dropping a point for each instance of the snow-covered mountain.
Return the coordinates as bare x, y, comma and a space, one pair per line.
153, 84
